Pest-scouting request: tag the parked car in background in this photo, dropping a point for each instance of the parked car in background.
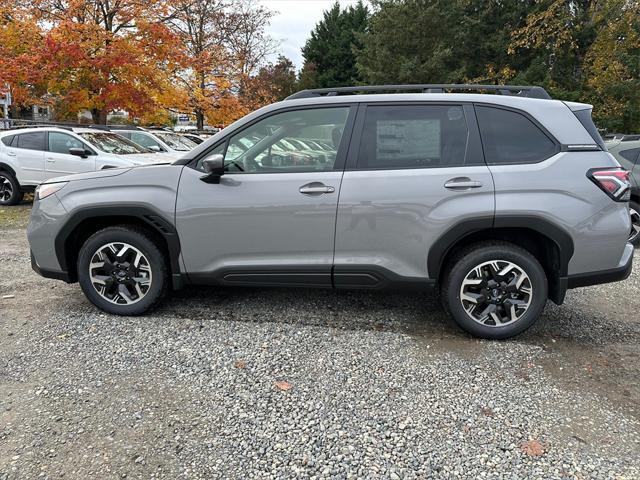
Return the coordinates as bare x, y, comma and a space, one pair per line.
30, 156
161, 141
498, 201
626, 149
193, 137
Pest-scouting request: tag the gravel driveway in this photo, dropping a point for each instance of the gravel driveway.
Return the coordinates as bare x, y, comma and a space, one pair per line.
256, 383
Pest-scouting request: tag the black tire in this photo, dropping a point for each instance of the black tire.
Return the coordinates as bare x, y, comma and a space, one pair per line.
634, 236
474, 255
141, 241
10, 190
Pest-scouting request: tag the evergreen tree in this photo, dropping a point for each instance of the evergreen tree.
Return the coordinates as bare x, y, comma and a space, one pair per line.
329, 58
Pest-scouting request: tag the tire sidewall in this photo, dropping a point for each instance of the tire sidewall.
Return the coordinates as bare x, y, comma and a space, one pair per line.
636, 207
139, 241
16, 194
523, 260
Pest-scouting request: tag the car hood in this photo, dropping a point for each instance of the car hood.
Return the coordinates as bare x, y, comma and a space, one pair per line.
149, 158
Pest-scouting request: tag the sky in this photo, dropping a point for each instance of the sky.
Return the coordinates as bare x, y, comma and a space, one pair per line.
293, 22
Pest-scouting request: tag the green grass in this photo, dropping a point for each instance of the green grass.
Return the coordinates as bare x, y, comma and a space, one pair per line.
16, 216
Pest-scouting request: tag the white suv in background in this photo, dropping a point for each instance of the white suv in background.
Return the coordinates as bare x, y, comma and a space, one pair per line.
29, 156
161, 141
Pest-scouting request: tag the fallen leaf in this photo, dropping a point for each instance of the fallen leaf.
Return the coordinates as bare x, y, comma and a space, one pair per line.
240, 364
282, 385
486, 411
533, 448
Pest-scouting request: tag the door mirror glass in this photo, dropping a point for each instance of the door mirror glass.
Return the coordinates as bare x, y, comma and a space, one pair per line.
214, 167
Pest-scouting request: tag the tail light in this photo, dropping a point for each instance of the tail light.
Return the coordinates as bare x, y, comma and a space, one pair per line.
612, 181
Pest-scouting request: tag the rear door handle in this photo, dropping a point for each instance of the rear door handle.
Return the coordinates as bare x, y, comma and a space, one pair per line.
11, 154
51, 160
316, 188
462, 183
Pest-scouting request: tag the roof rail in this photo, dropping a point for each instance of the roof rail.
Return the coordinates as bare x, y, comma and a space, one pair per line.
513, 90
116, 127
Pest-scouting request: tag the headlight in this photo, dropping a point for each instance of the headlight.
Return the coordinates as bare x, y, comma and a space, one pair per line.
48, 189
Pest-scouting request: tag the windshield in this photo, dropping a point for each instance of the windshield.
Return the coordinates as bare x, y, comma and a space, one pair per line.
176, 141
112, 143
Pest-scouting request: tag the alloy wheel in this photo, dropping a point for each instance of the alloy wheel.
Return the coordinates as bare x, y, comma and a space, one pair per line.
120, 273
496, 293
635, 224
6, 189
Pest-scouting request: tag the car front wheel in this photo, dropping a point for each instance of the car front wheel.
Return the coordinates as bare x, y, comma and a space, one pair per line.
495, 290
122, 271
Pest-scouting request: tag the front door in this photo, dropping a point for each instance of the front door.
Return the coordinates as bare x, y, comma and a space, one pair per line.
271, 219
58, 160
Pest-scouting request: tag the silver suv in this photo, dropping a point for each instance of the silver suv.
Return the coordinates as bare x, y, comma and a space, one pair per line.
499, 202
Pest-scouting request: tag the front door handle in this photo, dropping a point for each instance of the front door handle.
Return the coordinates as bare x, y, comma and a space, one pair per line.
462, 183
316, 188
51, 160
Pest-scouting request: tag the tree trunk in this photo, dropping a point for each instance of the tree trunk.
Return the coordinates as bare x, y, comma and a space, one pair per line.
199, 119
99, 116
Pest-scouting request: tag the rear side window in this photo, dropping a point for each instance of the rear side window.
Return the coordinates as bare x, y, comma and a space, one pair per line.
628, 157
7, 140
413, 136
31, 141
509, 137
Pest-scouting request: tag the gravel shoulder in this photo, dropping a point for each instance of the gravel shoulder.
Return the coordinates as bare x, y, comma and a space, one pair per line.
257, 383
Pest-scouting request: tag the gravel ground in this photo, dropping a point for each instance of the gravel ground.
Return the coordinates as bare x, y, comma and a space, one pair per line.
255, 383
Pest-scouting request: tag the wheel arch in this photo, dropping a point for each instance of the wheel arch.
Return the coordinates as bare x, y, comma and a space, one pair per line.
7, 168
551, 245
85, 222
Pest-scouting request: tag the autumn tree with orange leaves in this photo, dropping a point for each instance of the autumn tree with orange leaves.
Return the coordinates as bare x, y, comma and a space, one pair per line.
225, 45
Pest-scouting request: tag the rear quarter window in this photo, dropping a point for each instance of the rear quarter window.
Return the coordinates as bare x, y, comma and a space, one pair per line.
510, 137
7, 140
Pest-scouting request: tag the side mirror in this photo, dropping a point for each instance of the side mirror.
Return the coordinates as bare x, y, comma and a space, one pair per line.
214, 166
78, 152
154, 148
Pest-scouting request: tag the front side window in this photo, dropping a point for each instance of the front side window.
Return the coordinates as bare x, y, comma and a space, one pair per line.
510, 138
61, 142
31, 141
413, 136
279, 143
112, 143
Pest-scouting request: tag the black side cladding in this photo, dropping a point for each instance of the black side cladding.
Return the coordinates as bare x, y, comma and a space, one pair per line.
584, 116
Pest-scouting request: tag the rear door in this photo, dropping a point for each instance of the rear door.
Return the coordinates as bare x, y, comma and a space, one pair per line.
414, 173
58, 160
27, 150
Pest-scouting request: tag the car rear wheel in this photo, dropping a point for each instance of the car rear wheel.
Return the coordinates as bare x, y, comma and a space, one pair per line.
10, 192
122, 271
495, 290
634, 235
